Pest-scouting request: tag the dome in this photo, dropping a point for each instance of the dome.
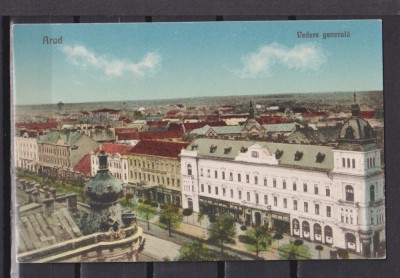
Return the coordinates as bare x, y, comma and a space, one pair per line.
103, 188
356, 128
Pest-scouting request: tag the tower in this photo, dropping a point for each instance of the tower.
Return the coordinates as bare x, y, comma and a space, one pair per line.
103, 193
358, 181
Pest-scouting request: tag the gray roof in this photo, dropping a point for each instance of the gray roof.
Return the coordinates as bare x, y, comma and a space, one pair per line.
280, 127
308, 159
60, 137
230, 129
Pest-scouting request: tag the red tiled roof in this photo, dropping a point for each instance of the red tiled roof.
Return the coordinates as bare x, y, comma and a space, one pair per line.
154, 135
273, 120
83, 165
367, 114
125, 129
157, 123
191, 126
159, 148
112, 148
36, 125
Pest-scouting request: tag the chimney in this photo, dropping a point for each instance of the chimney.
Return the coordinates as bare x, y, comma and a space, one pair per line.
72, 202
35, 195
29, 195
48, 207
53, 192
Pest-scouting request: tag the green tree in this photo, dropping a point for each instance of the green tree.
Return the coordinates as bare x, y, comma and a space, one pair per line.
259, 239
319, 248
187, 212
200, 217
195, 251
278, 237
294, 250
223, 230
343, 254
170, 217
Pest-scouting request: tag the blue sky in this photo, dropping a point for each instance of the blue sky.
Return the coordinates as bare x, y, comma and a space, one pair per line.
105, 62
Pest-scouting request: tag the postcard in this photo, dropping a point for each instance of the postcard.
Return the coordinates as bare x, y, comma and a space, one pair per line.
198, 141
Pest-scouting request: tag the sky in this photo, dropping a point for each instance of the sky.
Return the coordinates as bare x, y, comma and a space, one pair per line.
142, 61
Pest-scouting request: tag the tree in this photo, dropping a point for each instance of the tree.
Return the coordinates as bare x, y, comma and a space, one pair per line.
294, 250
319, 248
343, 254
170, 216
278, 237
195, 251
259, 239
223, 230
187, 212
200, 217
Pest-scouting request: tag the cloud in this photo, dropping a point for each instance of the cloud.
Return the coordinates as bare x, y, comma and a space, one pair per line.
80, 56
304, 56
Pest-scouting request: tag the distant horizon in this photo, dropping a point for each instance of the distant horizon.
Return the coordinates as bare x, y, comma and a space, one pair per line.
198, 97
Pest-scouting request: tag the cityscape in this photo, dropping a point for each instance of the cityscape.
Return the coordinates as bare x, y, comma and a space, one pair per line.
266, 175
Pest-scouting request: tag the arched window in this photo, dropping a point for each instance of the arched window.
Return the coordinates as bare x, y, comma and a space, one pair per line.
348, 163
317, 229
189, 169
296, 224
343, 162
372, 193
306, 226
349, 193
353, 161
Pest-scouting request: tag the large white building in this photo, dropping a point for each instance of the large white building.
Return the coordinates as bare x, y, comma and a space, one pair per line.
26, 153
331, 195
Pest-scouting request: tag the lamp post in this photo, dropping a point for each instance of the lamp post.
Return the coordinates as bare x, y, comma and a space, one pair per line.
147, 217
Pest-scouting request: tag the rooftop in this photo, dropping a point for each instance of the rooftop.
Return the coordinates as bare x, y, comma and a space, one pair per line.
158, 148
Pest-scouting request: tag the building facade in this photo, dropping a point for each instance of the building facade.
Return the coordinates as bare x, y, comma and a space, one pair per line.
26, 154
155, 170
331, 195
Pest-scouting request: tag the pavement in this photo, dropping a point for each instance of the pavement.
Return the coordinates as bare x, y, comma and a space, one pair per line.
160, 249
190, 229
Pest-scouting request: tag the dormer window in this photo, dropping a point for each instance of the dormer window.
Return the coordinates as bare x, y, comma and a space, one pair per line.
194, 147
213, 149
227, 150
254, 154
243, 149
349, 133
320, 157
298, 155
278, 154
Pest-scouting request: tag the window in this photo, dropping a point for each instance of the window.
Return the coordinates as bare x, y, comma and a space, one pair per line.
349, 193
254, 154
248, 196
239, 178
373, 161
294, 186
265, 181
305, 207
294, 204
275, 201
231, 176
316, 209
305, 187
284, 202
316, 189
223, 175
348, 163
266, 199
328, 211
216, 190
223, 192
342, 218
208, 173
372, 193
216, 174
240, 195
255, 180
231, 193
274, 182
353, 163
257, 200
202, 188
328, 191
284, 184
247, 178
209, 189
201, 172
343, 162
189, 169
